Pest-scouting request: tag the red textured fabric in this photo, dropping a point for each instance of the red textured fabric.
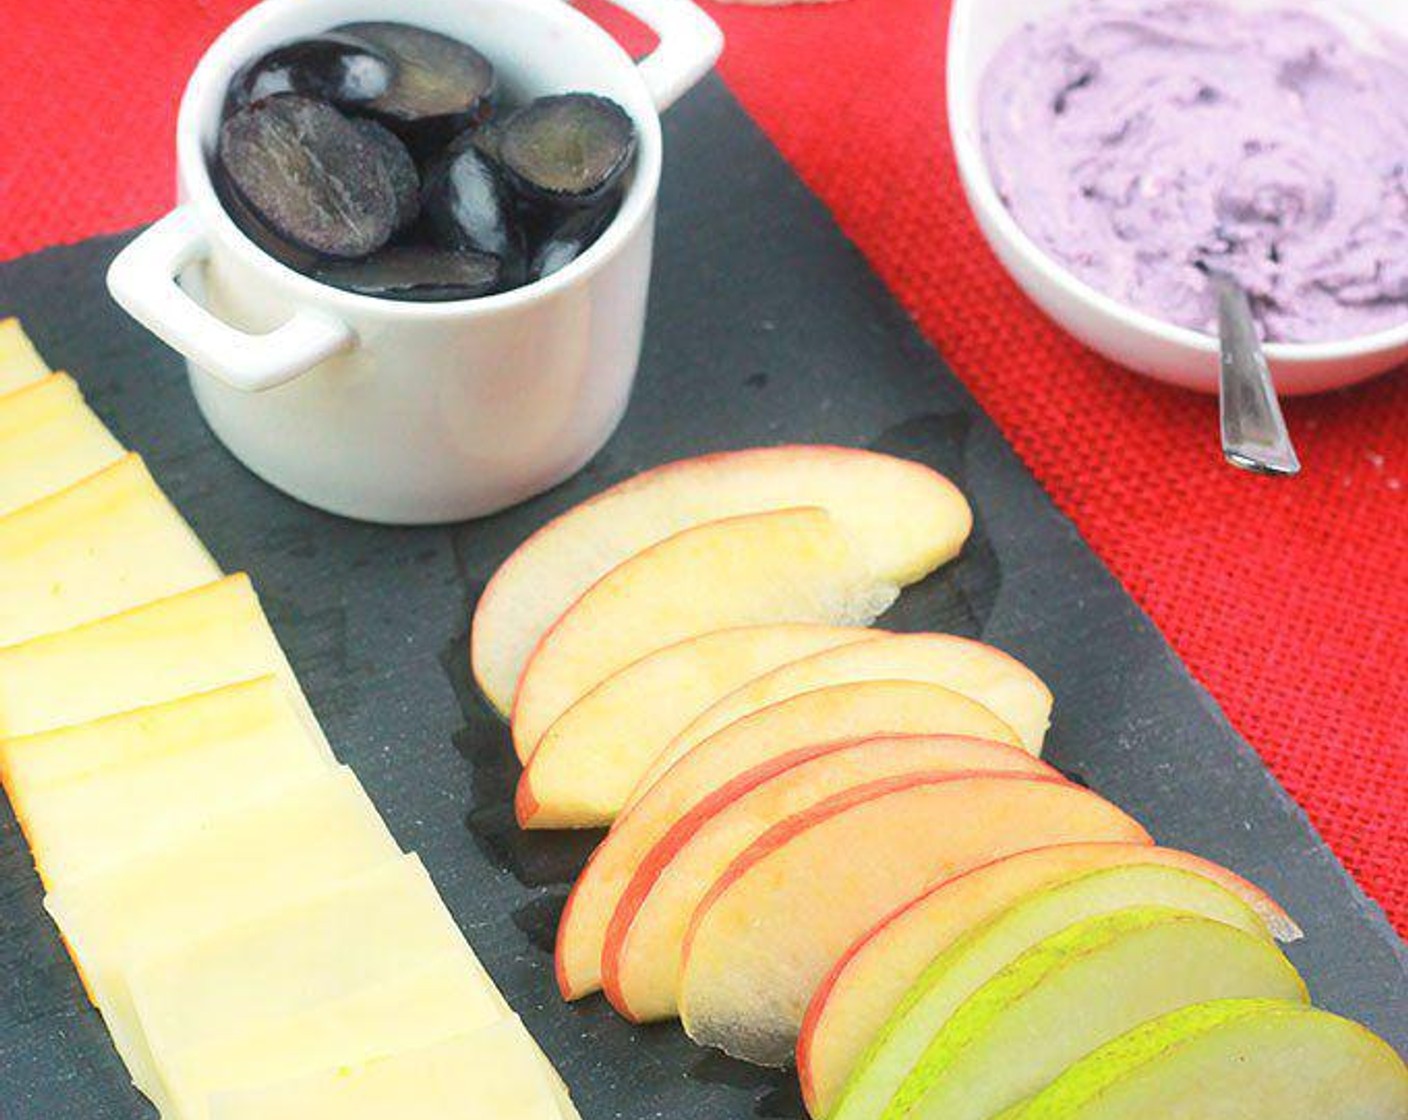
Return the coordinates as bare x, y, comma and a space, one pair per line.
1288, 600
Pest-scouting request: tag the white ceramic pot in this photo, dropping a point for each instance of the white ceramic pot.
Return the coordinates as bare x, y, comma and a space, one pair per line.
1133, 338
415, 412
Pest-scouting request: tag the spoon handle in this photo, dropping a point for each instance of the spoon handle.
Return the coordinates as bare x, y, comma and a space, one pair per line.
1254, 435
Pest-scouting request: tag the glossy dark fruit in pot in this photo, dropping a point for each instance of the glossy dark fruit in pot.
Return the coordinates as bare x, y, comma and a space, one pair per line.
252, 226
441, 86
400, 167
310, 175
417, 272
487, 138
466, 204
331, 68
370, 157
569, 149
563, 242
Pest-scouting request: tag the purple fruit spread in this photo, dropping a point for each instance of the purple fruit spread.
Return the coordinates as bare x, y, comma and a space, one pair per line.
1139, 143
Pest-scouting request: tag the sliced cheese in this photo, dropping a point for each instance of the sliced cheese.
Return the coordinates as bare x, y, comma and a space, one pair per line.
20, 362
49, 439
355, 932
248, 714
192, 642
252, 861
493, 1073
151, 774
106, 544
437, 999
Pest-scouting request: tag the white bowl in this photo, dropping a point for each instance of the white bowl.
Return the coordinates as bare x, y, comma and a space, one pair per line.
1130, 337
408, 412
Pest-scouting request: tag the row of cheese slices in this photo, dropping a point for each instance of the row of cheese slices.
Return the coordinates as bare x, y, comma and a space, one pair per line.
256, 942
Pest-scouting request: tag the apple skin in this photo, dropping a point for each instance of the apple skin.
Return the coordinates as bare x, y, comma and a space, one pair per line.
801, 723
1073, 992
1255, 1059
965, 957
907, 519
787, 565
784, 911
852, 1004
995, 679
586, 764
641, 958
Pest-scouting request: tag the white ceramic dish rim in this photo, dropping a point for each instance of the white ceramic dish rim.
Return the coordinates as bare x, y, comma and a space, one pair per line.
208, 80
964, 129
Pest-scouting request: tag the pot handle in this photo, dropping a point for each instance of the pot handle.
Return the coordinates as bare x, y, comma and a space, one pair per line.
143, 281
690, 44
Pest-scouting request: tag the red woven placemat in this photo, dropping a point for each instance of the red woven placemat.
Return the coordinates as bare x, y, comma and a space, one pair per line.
1288, 600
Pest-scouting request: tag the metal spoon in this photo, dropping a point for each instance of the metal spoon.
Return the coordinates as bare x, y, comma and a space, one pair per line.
1254, 435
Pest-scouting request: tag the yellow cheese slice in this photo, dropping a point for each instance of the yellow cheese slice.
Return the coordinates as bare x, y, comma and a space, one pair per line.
493, 1073
20, 362
253, 710
434, 1000
49, 439
253, 861
192, 642
108, 543
356, 932
154, 772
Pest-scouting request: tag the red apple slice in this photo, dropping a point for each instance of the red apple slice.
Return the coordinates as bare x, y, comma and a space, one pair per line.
998, 681
782, 914
588, 762
791, 565
802, 723
867, 984
641, 961
905, 518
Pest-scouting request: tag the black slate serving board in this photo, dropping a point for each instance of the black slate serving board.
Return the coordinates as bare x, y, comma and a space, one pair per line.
766, 326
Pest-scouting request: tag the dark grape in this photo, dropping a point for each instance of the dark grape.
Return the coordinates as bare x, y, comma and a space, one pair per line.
405, 179
369, 157
567, 239
252, 226
417, 272
329, 68
567, 150
310, 175
440, 86
466, 204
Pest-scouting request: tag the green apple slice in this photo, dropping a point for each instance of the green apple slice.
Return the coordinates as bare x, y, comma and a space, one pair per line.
976, 956
870, 981
1074, 992
1236, 1059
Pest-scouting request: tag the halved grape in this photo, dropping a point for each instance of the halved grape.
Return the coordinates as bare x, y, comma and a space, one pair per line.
256, 229
416, 272
441, 85
487, 138
310, 174
565, 241
329, 67
405, 179
568, 149
467, 204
